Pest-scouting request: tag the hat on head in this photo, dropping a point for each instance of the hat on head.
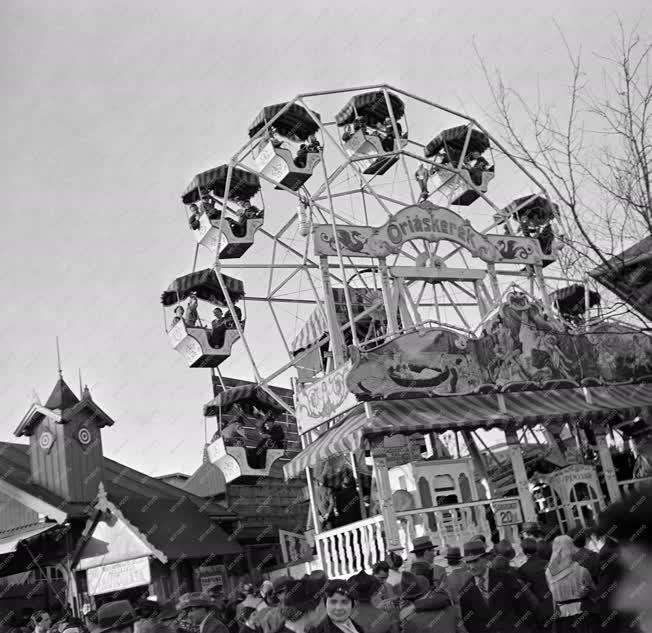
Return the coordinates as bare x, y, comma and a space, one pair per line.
505, 548
167, 610
453, 555
194, 599
115, 615
364, 586
300, 598
421, 544
413, 586
339, 585
532, 527
281, 583
473, 550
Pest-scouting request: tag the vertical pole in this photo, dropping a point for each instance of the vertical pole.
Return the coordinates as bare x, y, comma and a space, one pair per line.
358, 486
313, 508
606, 460
331, 315
390, 309
482, 306
478, 461
386, 502
520, 475
542, 286
493, 280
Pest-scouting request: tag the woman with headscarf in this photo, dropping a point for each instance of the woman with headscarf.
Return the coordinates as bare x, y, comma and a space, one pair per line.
569, 584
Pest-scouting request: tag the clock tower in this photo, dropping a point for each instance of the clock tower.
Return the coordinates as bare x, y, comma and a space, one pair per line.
66, 443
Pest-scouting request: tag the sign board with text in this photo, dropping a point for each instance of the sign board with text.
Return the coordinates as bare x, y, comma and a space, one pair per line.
507, 512
117, 576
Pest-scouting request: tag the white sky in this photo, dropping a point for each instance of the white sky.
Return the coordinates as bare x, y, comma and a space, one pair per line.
109, 109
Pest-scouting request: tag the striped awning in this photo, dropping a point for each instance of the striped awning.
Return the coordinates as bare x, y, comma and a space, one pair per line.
251, 394
422, 415
313, 329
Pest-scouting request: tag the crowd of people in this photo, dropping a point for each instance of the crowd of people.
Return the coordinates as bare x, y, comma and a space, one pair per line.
592, 580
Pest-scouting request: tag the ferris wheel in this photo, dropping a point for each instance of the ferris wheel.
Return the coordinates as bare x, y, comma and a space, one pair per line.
347, 218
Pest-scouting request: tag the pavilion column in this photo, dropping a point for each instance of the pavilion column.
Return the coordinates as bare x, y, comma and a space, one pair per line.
607, 463
520, 475
381, 473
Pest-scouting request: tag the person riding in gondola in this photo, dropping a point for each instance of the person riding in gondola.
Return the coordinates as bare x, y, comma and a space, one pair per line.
193, 315
314, 146
272, 137
246, 212
207, 205
178, 315
302, 155
422, 174
193, 218
234, 433
230, 322
479, 166
218, 329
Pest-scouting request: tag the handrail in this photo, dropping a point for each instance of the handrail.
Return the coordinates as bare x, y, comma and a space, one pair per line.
638, 480
350, 526
454, 506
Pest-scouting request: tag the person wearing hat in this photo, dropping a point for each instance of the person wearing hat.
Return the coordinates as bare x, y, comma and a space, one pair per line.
198, 608
424, 555
303, 607
366, 614
339, 600
493, 600
117, 616
533, 573
458, 574
271, 620
424, 608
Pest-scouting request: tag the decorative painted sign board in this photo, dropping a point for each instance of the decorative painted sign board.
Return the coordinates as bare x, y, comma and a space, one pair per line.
117, 576
518, 344
323, 400
424, 222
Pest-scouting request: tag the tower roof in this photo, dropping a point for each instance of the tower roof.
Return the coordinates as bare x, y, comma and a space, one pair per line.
62, 397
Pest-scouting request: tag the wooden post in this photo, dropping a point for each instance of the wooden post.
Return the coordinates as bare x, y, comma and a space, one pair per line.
331, 315
386, 503
390, 308
520, 475
358, 486
478, 461
606, 460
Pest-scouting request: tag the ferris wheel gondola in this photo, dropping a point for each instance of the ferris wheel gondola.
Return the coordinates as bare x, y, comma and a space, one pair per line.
534, 215
370, 130
201, 344
461, 148
273, 157
228, 237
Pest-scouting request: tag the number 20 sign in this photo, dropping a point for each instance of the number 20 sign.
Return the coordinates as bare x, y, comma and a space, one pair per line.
507, 512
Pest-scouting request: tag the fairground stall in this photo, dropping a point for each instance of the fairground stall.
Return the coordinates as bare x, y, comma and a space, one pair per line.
449, 379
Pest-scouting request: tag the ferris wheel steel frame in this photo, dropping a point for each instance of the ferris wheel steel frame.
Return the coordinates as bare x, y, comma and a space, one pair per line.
321, 202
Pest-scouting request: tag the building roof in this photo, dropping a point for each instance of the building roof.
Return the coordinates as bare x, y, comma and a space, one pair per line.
123, 484
62, 397
629, 276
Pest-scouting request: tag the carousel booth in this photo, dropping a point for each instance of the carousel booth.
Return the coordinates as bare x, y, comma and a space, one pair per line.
225, 231
236, 452
568, 497
204, 341
372, 133
276, 155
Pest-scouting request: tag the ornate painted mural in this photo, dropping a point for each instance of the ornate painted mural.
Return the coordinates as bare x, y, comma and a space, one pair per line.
518, 343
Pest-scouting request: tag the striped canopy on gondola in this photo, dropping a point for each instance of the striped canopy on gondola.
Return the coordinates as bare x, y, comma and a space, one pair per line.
206, 285
313, 329
295, 124
371, 105
244, 185
536, 210
453, 139
422, 415
251, 394
570, 299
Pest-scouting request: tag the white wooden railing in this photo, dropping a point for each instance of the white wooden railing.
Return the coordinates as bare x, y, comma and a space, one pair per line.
629, 485
451, 525
348, 549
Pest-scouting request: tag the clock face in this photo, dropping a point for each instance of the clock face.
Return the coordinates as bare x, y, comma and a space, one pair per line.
84, 436
46, 440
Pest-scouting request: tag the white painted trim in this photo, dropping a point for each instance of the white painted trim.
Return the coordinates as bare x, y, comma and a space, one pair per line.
32, 502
